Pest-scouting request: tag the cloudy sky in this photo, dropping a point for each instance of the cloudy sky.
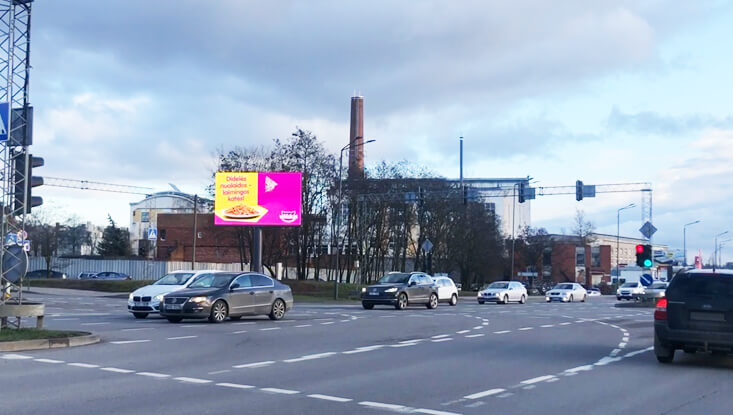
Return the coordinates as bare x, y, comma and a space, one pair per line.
142, 93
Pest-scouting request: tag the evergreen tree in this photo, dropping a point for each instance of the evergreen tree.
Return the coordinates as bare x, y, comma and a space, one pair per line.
115, 241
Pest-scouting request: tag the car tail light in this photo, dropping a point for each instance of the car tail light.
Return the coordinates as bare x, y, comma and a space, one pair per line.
660, 313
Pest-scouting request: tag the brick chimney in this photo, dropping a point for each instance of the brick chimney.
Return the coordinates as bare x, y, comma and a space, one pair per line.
356, 139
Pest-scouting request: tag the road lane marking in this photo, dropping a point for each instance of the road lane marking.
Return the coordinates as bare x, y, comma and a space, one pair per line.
93, 324
537, 379
181, 337
243, 323
65, 319
130, 341
310, 357
622, 345
632, 354
470, 336
584, 368
49, 361
281, 391
235, 385
432, 412
502, 332
327, 323
462, 331
526, 328
441, 340
219, 372
363, 349
303, 325
484, 394
478, 327
382, 405
239, 332
153, 375
440, 336
547, 325
564, 324
329, 398
256, 364
86, 365
417, 340
138, 329
116, 370
192, 380
270, 328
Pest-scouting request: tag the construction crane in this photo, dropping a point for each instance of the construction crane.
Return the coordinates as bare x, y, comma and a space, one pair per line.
93, 185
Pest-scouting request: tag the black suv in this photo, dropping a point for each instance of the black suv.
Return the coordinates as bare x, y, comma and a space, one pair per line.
696, 315
401, 289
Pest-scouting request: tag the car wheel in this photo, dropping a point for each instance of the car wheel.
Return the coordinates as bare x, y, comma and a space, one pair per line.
432, 302
401, 301
235, 318
453, 299
480, 302
140, 315
618, 298
584, 297
367, 306
219, 312
506, 300
278, 310
175, 319
570, 300
664, 354
522, 299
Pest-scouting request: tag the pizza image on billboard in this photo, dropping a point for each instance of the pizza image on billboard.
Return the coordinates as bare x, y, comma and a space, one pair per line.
258, 198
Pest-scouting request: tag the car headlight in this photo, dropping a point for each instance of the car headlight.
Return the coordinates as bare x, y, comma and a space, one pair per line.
391, 290
363, 289
158, 298
198, 299
129, 298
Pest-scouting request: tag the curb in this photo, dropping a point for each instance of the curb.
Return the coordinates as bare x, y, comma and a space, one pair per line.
40, 344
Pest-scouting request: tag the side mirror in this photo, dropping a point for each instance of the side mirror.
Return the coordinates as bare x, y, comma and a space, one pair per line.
412, 283
234, 286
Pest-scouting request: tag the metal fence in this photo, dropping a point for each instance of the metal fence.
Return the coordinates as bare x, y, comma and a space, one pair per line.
137, 269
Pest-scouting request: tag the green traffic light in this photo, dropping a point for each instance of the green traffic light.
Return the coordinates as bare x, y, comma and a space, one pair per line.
648, 263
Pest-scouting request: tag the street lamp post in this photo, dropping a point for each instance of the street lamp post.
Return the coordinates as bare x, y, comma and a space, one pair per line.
715, 254
684, 240
338, 215
720, 249
618, 236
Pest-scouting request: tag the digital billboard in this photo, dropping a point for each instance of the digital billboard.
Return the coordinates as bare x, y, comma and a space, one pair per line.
257, 199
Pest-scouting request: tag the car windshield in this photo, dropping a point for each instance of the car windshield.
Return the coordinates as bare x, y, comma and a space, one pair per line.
397, 278
563, 287
498, 285
629, 285
178, 278
659, 285
213, 281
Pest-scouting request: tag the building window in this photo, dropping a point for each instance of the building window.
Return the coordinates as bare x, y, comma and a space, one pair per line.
595, 256
580, 256
144, 216
161, 234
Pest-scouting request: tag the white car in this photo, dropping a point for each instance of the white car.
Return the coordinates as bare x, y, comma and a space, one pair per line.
502, 292
629, 291
567, 292
146, 300
447, 290
594, 292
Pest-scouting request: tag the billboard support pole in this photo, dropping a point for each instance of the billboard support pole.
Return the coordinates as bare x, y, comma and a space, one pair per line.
257, 251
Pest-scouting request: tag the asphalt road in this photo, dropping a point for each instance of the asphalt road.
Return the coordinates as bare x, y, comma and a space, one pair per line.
581, 358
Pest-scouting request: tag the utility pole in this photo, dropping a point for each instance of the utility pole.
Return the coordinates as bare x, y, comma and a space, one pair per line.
195, 231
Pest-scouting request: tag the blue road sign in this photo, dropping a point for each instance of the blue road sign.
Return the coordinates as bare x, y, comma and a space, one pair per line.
152, 234
646, 280
4, 125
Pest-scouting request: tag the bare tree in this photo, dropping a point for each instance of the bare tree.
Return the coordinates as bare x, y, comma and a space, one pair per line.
584, 229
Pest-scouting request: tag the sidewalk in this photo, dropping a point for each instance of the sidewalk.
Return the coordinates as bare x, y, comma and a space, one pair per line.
70, 292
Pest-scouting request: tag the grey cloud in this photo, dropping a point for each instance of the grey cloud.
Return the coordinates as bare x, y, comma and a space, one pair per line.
650, 122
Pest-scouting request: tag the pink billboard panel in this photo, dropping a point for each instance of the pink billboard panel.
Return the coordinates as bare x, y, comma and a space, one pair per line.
257, 199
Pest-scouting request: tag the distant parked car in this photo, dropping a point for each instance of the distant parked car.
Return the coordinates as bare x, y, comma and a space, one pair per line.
42, 273
593, 292
447, 290
629, 291
502, 292
111, 276
86, 275
567, 292
654, 292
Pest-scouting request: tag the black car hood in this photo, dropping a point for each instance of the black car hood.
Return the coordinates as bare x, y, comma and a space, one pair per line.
194, 292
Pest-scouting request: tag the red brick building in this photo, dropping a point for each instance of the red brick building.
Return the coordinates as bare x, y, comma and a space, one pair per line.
569, 262
213, 244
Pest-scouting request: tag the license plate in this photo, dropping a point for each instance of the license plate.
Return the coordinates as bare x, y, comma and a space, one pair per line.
173, 306
706, 316
373, 293
143, 304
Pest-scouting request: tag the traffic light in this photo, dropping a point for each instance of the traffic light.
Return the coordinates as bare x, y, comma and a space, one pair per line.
23, 186
578, 190
521, 192
644, 256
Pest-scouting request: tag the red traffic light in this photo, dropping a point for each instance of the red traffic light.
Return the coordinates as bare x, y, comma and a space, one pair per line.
639, 249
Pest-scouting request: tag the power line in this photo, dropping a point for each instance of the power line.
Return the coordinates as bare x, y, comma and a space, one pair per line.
98, 186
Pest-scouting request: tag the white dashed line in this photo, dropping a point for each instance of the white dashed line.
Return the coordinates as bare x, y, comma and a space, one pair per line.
153, 375
48, 361
432, 412
462, 331
138, 329
441, 340
181, 337
548, 325
239, 332
564, 324
389, 406
327, 323
130, 341
478, 327
192, 380
310, 357
329, 398
86, 365
440, 336
116, 370
235, 385
93, 324
470, 336
484, 393
526, 328
502, 332
303, 325
15, 357
270, 328
537, 379
281, 391
251, 365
